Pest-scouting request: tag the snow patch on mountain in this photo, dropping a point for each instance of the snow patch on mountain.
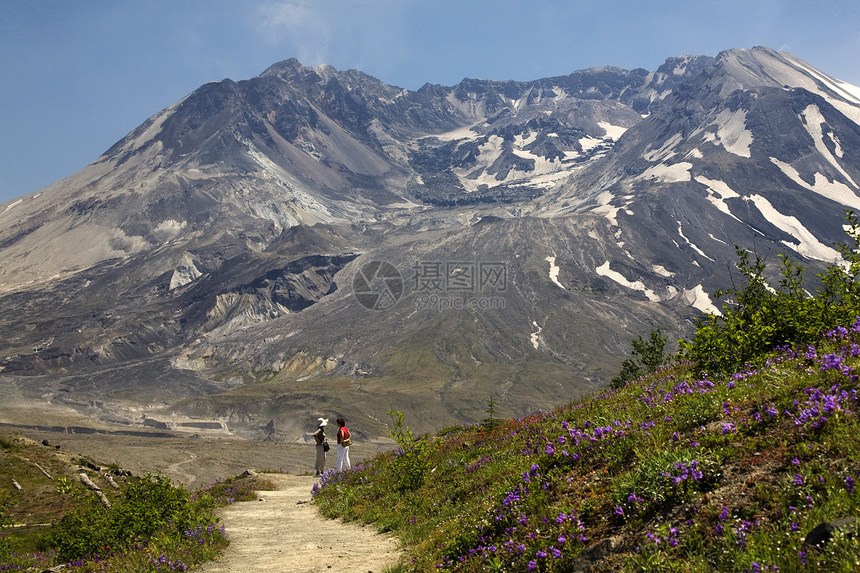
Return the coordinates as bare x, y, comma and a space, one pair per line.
542, 172
553, 271
847, 98
842, 89
851, 90
718, 192
808, 245
612, 131
668, 173
666, 151
472, 178
606, 208
660, 270
690, 243
604, 270
813, 120
13, 204
542, 165
599, 146
833, 190
535, 336
699, 299
588, 143
731, 132
839, 152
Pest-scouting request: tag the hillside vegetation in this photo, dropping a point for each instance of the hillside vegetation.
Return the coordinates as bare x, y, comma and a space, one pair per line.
51, 518
741, 454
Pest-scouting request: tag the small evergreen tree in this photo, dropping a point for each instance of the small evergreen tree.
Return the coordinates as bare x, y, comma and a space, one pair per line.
491, 419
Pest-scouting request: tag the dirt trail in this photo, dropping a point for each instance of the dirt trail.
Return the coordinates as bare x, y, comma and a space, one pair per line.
283, 532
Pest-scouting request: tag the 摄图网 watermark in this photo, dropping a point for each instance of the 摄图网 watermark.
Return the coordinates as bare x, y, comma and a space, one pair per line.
434, 301
434, 285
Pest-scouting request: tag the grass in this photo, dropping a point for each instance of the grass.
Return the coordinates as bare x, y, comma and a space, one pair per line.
152, 524
671, 472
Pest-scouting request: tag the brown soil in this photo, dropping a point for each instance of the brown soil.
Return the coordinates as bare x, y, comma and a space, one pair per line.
284, 532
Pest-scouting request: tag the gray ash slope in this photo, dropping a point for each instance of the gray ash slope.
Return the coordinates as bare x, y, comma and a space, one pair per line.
218, 242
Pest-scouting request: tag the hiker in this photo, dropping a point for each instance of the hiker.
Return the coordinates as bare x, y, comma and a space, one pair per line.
344, 440
322, 445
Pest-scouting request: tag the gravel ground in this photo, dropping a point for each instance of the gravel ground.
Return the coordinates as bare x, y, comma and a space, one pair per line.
284, 532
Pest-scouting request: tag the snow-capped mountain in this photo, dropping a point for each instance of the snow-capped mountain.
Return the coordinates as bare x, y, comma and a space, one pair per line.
369, 248
762, 137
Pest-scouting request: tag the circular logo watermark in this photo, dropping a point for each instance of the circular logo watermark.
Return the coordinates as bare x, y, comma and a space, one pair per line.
377, 285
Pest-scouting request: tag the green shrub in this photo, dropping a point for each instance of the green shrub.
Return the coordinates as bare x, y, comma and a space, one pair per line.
411, 461
648, 356
758, 318
149, 505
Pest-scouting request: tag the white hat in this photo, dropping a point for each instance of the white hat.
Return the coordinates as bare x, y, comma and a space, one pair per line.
323, 421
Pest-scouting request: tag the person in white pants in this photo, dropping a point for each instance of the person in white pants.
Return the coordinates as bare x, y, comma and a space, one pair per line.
344, 440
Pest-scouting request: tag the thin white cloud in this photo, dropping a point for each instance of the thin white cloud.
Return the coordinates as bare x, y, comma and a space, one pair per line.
299, 25
375, 37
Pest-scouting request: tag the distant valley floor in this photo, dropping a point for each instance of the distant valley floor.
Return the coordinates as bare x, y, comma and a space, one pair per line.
195, 461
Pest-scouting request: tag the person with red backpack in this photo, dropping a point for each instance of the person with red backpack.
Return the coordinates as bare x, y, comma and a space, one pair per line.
343, 442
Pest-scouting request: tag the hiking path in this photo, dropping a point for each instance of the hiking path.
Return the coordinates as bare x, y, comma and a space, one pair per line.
284, 532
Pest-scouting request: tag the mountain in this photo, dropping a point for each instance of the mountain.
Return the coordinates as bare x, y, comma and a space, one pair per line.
314, 241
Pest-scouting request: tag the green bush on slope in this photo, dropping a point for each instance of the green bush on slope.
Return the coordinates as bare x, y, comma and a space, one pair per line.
151, 525
759, 317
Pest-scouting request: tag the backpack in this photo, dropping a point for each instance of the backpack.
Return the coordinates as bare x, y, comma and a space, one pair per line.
345, 440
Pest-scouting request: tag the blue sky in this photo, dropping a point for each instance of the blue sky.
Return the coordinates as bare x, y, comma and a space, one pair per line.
76, 76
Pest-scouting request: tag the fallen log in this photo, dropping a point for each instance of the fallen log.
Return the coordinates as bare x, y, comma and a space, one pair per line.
41, 469
85, 479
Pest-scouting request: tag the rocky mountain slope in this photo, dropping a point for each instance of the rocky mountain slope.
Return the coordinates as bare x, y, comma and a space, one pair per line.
316, 241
